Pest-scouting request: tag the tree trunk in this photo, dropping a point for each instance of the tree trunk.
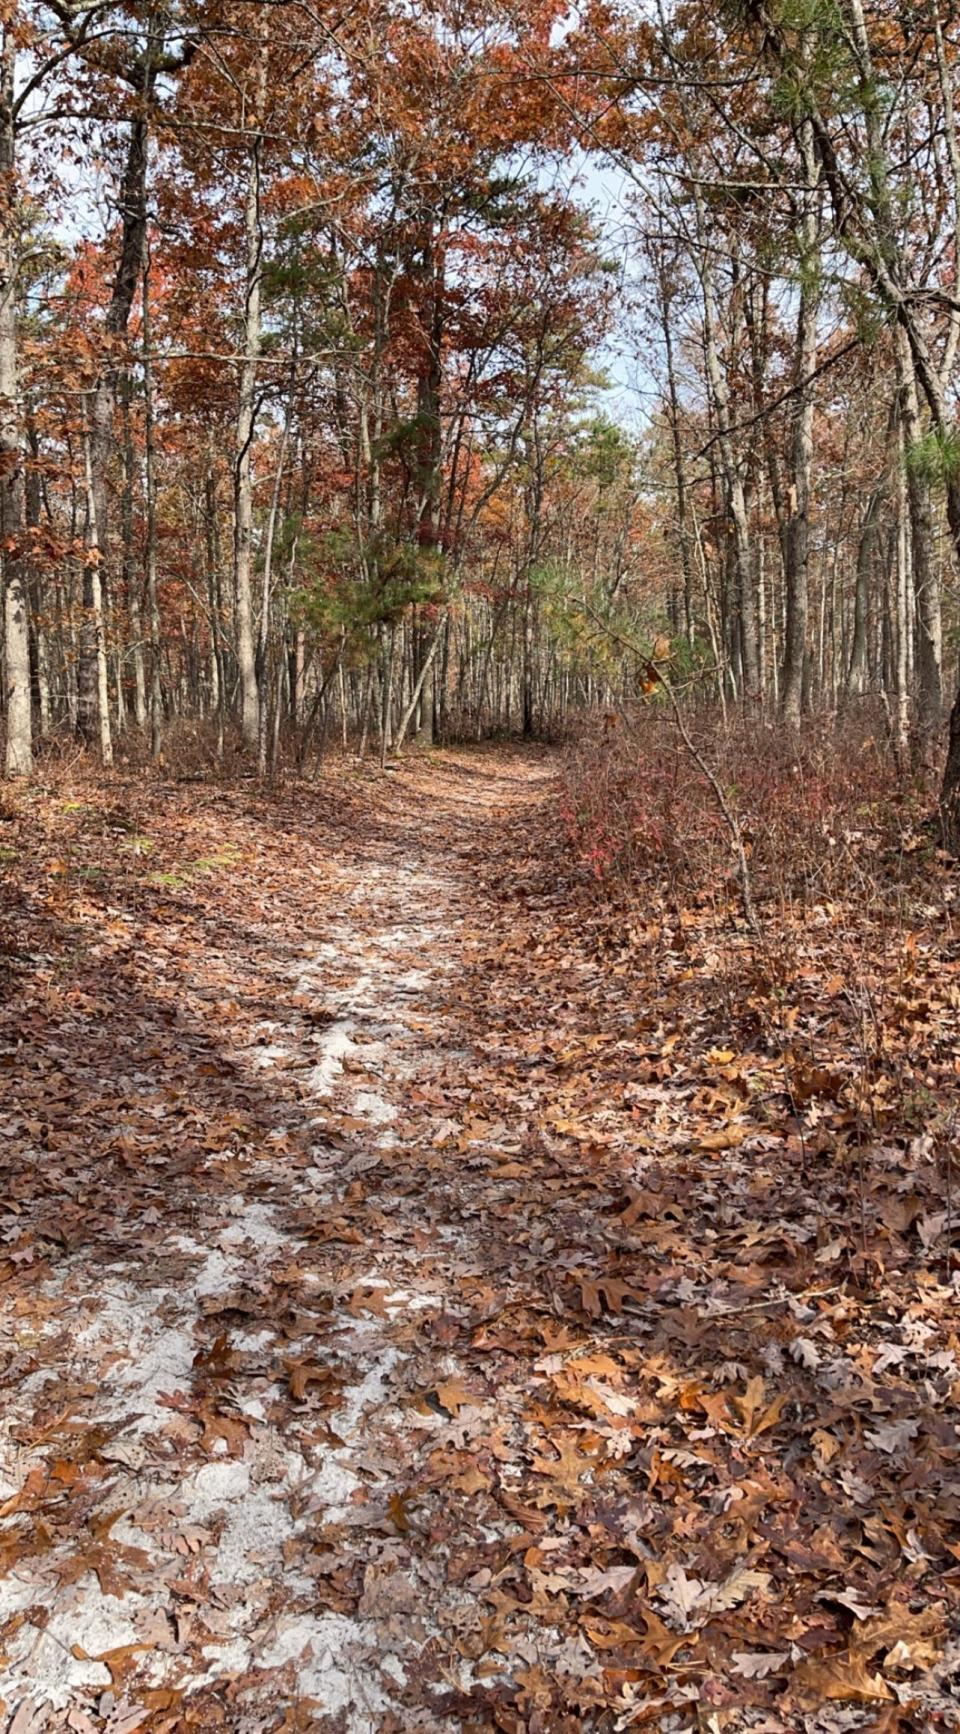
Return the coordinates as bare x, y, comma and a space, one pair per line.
901, 620
425, 668
40, 637
153, 604
732, 474
797, 540
266, 590
859, 664
133, 211
93, 711
246, 423
679, 471
16, 671
386, 708
925, 576
131, 577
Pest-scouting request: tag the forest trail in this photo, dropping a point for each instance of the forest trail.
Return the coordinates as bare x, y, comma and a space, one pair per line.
415, 1315
289, 1551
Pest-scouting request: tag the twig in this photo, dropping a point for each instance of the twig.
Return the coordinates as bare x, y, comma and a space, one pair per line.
729, 816
658, 670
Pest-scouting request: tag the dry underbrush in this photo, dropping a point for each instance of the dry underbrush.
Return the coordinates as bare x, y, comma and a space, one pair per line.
822, 816
853, 987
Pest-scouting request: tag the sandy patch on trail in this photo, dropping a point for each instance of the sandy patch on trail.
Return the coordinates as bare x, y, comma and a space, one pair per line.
241, 1521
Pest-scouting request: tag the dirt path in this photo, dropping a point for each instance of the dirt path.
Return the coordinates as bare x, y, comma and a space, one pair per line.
272, 1399
421, 1308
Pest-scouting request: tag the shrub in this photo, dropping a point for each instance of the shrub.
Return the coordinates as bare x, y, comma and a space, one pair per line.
819, 816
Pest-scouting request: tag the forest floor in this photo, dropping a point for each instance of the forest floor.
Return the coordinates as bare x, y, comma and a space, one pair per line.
424, 1310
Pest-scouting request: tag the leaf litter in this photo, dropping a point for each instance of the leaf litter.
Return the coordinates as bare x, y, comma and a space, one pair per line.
420, 1312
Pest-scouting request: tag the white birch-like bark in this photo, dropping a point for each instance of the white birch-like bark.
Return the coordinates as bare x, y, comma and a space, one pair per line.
16, 642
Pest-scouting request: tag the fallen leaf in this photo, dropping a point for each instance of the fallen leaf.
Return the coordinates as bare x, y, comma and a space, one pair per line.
837, 1679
